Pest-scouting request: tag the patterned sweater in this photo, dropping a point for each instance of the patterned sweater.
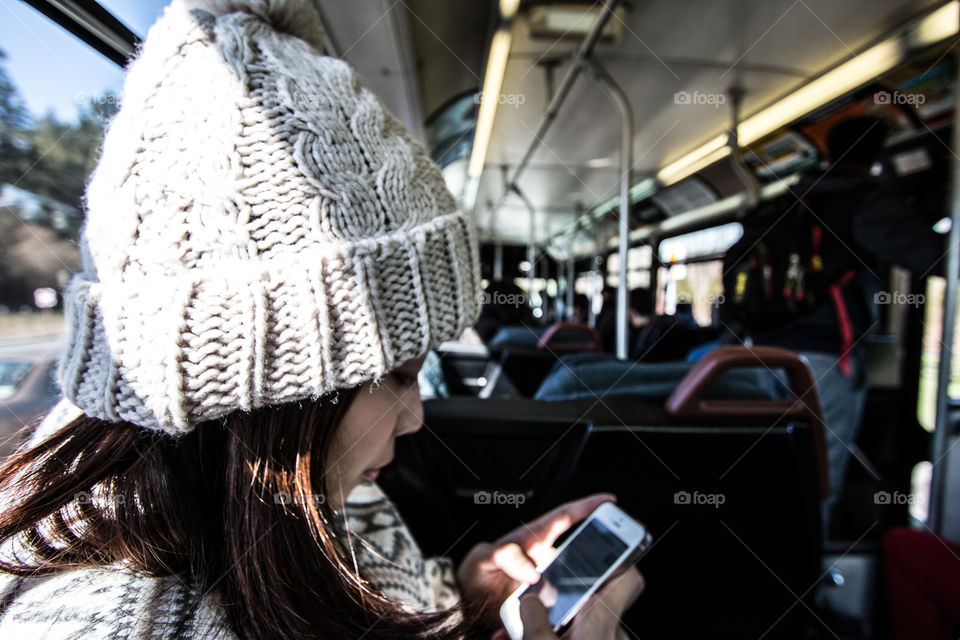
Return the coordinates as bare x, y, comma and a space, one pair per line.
113, 602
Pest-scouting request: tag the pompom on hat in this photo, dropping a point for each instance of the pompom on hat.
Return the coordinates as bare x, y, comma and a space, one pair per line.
259, 230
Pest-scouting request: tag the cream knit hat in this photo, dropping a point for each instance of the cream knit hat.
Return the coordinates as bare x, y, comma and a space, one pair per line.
259, 228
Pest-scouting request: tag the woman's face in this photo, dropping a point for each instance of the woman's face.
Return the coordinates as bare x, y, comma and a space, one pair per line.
363, 443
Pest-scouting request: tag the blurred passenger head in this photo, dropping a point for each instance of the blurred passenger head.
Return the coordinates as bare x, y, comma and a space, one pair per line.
504, 304
640, 306
856, 142
581, 308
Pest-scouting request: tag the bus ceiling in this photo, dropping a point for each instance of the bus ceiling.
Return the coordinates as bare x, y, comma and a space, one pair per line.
788, 60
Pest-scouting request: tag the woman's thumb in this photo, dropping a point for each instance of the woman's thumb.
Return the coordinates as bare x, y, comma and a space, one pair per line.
536, 622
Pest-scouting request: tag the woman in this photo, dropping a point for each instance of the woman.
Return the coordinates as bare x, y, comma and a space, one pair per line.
267, 256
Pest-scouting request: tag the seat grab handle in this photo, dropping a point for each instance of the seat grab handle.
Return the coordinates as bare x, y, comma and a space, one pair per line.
688, 401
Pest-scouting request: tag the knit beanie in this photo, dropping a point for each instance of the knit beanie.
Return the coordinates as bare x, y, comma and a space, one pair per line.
259, 228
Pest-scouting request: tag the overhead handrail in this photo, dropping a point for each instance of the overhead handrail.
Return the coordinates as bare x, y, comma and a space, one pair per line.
584, 52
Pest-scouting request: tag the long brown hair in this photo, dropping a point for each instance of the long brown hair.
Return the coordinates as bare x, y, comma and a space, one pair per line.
205, 507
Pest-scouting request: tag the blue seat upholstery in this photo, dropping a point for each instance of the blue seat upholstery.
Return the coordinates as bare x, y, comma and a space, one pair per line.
589, 375
517, 337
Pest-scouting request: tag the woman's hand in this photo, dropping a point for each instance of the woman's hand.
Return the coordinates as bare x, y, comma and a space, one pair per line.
598, 620
492, 571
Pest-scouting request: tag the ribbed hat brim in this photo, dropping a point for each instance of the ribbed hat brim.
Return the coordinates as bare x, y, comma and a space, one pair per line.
192, 347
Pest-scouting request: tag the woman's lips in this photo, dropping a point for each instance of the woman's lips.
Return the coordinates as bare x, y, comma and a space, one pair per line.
371, 474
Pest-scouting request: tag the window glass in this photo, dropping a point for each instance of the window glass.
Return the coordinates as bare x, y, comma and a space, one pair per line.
930, 357
56, 93
137, 15
706, 242
639, 260
695, 288
11, 375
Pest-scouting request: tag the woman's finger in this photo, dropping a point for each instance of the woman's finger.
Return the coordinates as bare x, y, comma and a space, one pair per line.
621, 592
511, 559
536, 623
550, 526
600, 617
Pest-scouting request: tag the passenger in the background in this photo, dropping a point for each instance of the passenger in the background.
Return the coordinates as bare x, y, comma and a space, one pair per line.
652, 338
640, 310
581, 309
667, 338
807, 277
608, 311
504, 304
685, 312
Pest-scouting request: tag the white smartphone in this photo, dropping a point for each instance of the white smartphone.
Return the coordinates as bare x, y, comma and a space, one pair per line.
607, 541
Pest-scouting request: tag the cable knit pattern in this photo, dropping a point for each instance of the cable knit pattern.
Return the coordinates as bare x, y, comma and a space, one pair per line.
260, 229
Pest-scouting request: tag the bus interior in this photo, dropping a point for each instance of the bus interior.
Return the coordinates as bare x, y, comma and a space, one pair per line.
612, 153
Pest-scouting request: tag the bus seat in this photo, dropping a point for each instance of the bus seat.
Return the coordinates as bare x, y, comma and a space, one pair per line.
734, 508
523, 365
735, 560
692, 399
466, 368
699, 351
580, 357
516, 337
478, 468
601, 375
732, 491
527, 355
569, 337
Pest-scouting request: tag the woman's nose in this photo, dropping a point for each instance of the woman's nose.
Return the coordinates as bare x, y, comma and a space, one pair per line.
411, 415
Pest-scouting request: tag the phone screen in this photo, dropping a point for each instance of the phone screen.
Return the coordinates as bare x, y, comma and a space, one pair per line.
576, 569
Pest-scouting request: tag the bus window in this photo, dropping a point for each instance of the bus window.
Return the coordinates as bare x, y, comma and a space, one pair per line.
54, 102
930, 359
56, 94
639, 261
689, 277
136, 15
699, 244
699, 285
